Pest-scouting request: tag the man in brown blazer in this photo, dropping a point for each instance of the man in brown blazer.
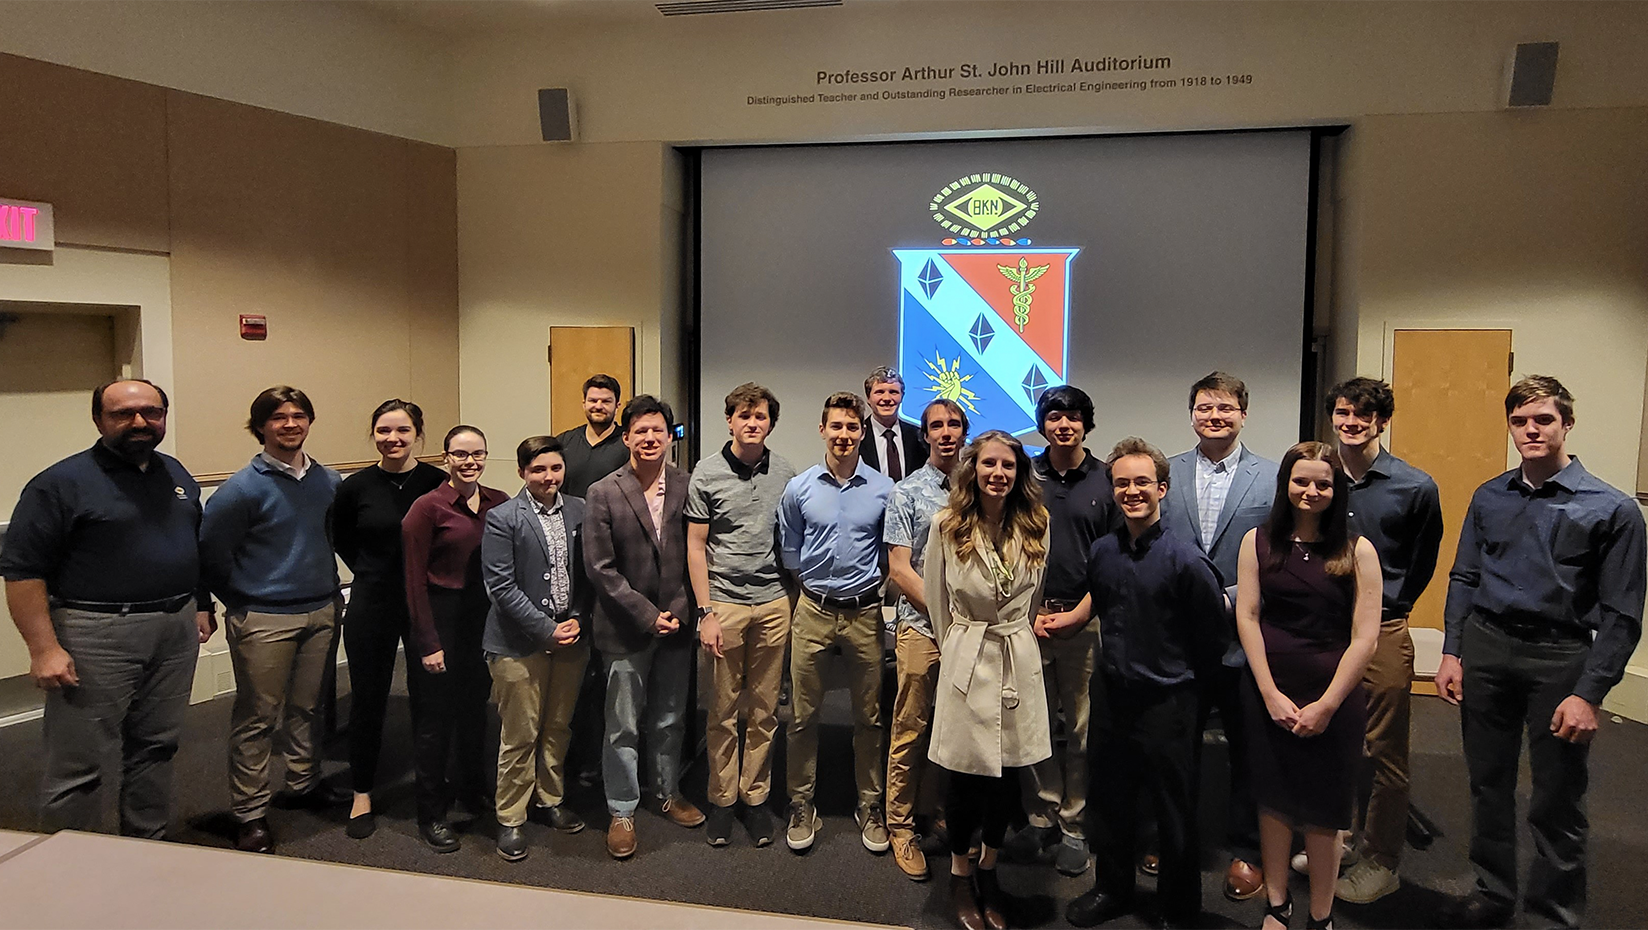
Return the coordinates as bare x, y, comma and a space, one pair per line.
635, 553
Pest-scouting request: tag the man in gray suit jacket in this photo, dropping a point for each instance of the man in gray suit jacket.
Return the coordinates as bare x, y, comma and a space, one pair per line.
635, 551
532, 564
1216, 493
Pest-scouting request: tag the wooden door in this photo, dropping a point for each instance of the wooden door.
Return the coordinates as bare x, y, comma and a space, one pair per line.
1450, 389
576, 353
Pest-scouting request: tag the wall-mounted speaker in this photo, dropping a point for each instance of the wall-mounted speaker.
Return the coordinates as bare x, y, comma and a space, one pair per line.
1532, 75
556, 116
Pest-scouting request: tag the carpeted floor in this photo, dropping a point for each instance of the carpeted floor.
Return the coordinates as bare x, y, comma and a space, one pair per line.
838, 878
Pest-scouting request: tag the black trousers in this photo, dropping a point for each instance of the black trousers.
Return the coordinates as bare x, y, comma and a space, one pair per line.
983, 803
373, 627
1145, 740
1511, 684
449, 709
1221, 688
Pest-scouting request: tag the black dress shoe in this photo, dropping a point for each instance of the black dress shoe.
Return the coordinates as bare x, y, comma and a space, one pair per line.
254, 836
511, 844
320, 797
439, 836
559, 818
1477, 911
1096, 907
359, 828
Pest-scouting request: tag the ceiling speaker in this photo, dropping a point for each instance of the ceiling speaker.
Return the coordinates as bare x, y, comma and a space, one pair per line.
1533, 75
555, 115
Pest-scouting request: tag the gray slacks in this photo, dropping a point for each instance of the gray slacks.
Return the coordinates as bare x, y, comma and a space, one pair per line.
136, 673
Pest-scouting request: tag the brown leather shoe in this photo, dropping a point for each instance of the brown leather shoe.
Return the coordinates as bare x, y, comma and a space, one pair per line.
621, 837
963, 903
1243, 881
993, 902
1150, 864
255, 836
908, 856
681, 812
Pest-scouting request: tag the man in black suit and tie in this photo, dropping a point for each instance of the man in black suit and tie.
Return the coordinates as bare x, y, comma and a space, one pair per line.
635, 552
891, 446
1217, 492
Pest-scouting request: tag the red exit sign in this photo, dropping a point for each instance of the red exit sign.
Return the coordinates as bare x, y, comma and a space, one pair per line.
25, 224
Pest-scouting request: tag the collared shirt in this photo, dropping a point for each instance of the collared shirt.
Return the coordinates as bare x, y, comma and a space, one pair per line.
264, 539
655, 505
829, 532
442, 539
95, 527
1213, 481
1567, 557
553, 520
1080, 509
1398, 508
879, 434
740, 504
297, 470
586, 464
1159, 607
916, 500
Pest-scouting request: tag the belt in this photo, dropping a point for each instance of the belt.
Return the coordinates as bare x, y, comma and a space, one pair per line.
1533, 632
163, 606
856, 602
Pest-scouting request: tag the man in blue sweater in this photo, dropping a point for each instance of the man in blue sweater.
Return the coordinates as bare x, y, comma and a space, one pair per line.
265, 554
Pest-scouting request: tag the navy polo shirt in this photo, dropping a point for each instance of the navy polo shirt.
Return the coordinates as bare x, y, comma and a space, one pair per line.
1080, 509
97, 528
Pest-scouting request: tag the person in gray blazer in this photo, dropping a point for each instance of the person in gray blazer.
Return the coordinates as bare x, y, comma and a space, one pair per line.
533, 566
1216, 493
635, 551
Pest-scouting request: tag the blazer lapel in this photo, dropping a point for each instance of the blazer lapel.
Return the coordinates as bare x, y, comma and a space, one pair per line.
1181, 494
637, 497
1247, 469
528, 515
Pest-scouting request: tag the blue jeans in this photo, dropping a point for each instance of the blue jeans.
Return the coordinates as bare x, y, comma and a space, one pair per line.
645, 689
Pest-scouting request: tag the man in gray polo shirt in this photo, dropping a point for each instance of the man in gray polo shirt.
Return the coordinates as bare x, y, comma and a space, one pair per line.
915, 501
744, 617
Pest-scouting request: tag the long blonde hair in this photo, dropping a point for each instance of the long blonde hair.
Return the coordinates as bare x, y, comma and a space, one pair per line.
1023, 519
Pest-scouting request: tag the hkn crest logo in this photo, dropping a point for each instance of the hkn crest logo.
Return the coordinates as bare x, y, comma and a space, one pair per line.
984, 319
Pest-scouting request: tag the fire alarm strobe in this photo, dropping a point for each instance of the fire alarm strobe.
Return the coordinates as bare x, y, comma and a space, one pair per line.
254, 327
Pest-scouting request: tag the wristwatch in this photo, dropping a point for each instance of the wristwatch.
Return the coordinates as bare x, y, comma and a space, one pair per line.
705, 612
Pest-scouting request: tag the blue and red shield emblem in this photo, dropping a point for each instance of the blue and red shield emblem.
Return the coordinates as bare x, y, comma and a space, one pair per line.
986, 327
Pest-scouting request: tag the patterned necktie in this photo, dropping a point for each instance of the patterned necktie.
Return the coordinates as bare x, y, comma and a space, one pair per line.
893, 470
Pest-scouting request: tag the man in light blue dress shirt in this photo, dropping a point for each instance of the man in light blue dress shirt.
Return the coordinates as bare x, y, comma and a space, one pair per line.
830, 523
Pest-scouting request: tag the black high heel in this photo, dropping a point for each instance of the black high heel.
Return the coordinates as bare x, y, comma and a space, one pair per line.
1325, 923
1283, 912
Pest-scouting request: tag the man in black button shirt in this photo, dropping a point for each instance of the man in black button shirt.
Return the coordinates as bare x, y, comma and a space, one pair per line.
102, 572
1076, 490
1161, 614
1397, 508
1544, 610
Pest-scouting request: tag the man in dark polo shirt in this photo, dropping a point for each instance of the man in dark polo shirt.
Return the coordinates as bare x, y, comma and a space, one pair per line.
596, 449
592, 452
102, 574
1081, 508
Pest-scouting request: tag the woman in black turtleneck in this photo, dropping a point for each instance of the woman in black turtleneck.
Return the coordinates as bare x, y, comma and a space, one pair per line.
366, 530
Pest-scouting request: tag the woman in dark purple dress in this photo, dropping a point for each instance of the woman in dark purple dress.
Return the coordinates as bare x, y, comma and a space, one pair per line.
1307, 610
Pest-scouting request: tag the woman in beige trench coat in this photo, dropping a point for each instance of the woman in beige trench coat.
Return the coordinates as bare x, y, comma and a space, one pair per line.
986, 554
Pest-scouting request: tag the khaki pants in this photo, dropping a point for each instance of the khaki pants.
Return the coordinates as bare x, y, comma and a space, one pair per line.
535, 696
280, 663
1060, 782
1387, 682
812, 632
751, 667
912, 726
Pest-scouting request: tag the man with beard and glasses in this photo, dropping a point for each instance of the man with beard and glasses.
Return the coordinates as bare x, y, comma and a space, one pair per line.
102, 572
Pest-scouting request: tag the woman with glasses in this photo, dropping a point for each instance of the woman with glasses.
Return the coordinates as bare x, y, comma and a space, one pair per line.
448, 604
366, 532
986, 554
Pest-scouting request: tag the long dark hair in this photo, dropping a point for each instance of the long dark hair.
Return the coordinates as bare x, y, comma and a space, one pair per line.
1337, 546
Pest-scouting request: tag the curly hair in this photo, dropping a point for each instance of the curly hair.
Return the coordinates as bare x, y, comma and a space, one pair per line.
1023, 520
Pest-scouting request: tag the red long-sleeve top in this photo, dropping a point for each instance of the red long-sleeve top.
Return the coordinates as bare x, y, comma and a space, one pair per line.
442, 540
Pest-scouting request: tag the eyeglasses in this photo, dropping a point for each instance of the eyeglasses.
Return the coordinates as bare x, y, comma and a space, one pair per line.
1223, 410
1122, 484
126, 416
460, 456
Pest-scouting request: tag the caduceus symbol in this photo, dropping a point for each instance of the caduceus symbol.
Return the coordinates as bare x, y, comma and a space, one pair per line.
1022, 288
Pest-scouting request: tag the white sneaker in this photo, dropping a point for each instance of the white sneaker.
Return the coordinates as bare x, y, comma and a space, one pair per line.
1300, 863
1348, 857
1366, 882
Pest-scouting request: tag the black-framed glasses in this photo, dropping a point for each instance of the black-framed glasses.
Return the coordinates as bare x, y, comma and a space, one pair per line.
458, 455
